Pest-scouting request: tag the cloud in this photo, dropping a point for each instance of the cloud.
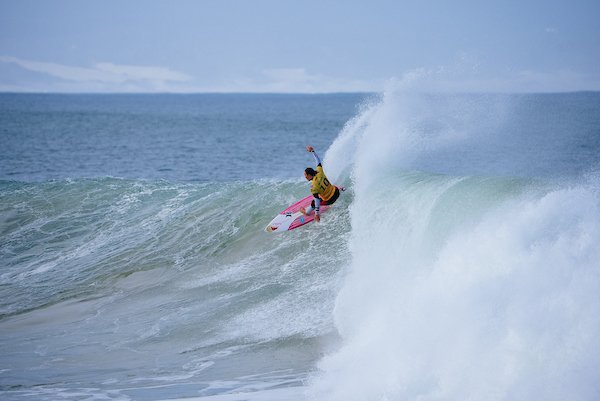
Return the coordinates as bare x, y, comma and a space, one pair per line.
290, 75
298, 80
564, 80
113, 78
140, 73
101, 72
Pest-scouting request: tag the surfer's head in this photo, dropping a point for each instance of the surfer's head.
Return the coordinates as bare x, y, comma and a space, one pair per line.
309, 173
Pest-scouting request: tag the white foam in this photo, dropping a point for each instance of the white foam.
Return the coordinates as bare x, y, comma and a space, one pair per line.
504, 306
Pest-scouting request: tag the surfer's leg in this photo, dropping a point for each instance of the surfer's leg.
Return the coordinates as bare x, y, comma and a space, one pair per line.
308, 209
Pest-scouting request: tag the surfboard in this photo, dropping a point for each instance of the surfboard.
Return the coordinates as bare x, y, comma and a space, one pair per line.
292, 218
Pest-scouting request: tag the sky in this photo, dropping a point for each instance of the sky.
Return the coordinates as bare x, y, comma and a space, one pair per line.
280, 46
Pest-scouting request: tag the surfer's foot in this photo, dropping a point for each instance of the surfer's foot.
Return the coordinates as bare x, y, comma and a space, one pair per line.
303, 210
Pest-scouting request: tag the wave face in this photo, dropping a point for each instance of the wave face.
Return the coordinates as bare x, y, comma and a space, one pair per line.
130, 288
470, 284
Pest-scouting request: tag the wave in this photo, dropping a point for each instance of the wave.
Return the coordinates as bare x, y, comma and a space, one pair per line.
451, 268
122, 272
177, 255
461, 286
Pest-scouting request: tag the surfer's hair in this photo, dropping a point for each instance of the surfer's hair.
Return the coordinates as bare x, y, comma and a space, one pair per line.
310, 171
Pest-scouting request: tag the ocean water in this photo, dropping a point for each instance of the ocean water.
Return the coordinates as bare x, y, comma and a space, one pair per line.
463, 261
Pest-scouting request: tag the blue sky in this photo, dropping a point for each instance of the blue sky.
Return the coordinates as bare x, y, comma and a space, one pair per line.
297, 46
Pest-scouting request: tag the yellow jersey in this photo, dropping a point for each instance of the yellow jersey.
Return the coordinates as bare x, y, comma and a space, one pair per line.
321, 185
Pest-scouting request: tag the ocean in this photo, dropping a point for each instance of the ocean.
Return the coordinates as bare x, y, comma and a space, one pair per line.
463, 261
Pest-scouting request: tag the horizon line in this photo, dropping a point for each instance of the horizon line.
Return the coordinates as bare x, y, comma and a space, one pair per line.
287, 93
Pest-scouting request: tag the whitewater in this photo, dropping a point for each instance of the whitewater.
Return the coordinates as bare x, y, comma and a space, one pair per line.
463, 261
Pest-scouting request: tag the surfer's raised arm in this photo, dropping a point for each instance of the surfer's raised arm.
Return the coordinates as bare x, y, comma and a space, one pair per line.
311, 150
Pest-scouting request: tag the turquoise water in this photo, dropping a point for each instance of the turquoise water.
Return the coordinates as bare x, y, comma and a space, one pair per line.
462, 261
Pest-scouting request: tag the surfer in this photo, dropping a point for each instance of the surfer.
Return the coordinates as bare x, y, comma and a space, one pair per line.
324, 192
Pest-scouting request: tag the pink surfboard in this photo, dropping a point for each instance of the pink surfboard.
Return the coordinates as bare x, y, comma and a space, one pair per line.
292, 218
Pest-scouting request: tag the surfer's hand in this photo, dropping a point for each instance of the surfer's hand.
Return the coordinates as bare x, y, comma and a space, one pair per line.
317, 218
310, 149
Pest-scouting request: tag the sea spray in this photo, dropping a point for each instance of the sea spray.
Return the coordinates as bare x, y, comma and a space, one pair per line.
462, 286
